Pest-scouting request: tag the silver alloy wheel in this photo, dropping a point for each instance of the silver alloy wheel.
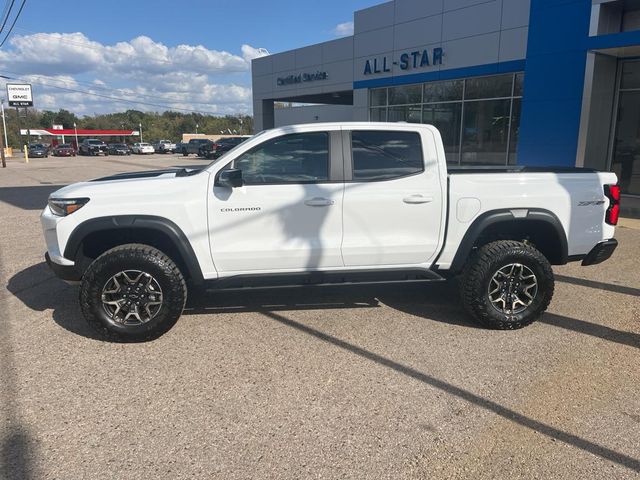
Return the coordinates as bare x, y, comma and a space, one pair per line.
132, 297
513, 288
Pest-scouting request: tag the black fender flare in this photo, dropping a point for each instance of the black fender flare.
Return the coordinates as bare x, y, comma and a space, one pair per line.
505, 215
128, 222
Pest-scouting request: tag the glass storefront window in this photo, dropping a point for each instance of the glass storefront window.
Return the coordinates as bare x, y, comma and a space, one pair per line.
626, 153
489, 87
443, 91
409, 113
489, 107
485, 132
630, 75
518, 89
446, 117
405, 94
515, 131
378, 97
378, 115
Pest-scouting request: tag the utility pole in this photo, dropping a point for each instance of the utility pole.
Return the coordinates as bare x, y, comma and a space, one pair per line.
140, 126
4, 161
4, 124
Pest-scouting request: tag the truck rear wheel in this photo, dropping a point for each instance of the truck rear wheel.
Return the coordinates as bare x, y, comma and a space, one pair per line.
132, 292
507, 285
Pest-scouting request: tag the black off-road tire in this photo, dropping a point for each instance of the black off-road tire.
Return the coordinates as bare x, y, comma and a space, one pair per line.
133, 257
480, 269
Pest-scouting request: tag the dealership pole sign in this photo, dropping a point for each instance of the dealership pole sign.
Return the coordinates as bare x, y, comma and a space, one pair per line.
19, 95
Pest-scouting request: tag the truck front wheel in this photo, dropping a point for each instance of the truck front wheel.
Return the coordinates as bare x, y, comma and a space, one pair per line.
132, 292
507, 285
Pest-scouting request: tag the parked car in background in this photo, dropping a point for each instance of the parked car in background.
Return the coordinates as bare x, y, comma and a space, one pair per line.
142, 148
64, 150
221, 146
196, 146
164, 146
90, 146
38, 150
119, 149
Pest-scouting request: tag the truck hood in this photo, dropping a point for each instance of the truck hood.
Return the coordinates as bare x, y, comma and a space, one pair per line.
122, 182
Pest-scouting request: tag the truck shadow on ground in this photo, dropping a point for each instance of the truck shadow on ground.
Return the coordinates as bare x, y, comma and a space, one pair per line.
40, 290
28, 198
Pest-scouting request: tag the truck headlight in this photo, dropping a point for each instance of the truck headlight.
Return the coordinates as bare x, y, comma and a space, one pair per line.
66, 206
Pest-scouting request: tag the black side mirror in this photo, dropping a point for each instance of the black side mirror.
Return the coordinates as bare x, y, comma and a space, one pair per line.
231, 178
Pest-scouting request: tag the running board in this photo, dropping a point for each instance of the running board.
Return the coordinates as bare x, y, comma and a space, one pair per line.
319, 279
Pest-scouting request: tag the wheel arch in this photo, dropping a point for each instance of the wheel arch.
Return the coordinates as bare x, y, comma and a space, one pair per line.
541, 227
95, 236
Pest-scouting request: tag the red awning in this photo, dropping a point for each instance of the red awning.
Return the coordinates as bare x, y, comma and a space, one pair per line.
79, 132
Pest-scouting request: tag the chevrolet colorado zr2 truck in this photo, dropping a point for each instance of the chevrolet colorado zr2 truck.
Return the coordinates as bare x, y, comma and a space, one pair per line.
334, 203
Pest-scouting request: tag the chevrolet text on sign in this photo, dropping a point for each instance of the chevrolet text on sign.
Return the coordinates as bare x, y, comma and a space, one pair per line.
19, 95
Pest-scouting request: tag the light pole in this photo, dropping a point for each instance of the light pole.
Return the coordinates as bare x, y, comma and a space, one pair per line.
140, 127
75, 130
197, 128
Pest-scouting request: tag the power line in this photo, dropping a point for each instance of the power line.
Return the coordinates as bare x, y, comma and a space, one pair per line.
14, 23
168, 107
117, 90
6, 13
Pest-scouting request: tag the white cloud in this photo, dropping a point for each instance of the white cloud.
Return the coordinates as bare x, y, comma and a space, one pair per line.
343, 29
185, 76
249, 53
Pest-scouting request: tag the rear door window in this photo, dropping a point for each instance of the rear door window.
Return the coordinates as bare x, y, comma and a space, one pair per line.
379, 155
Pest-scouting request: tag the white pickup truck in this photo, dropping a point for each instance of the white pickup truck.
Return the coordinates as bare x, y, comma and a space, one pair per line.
326, 204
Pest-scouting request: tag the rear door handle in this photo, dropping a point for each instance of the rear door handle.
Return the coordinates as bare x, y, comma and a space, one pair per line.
414, 199
319, 202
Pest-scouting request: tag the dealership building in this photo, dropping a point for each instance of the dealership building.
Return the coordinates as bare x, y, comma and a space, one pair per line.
524, 82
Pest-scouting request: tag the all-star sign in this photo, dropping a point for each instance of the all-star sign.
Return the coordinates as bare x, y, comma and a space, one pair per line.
19, 95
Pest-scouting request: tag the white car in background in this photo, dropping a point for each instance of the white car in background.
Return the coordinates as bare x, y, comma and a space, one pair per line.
142, 148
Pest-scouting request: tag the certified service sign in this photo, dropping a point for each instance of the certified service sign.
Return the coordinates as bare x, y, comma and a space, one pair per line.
19, 95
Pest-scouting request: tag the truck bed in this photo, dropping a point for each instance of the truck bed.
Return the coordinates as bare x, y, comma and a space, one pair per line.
460, 169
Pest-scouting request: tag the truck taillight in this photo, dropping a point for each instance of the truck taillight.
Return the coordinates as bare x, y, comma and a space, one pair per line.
613, 212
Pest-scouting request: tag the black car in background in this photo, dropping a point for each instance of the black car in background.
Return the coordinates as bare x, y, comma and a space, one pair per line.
195, 145
90, 146
38, 150
119, 149
221, 146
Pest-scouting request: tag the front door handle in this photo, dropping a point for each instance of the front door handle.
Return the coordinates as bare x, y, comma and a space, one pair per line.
415, 199
319, 202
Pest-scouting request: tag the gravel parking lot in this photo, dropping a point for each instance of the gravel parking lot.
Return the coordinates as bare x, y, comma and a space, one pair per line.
375, 382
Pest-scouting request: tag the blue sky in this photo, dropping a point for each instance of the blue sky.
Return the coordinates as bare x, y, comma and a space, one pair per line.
193, 54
